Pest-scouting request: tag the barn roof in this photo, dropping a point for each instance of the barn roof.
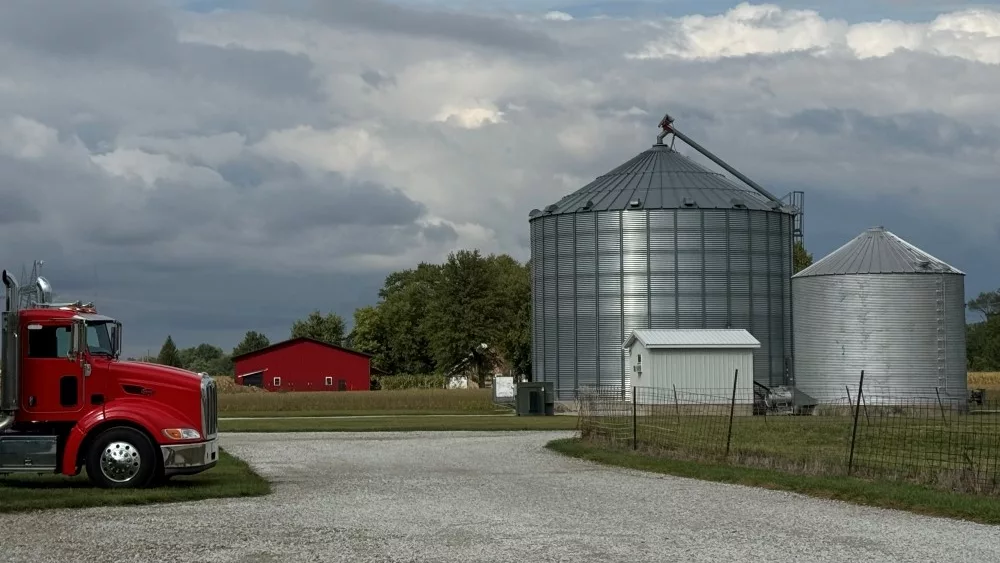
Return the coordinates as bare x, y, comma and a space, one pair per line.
299, 340
688, 338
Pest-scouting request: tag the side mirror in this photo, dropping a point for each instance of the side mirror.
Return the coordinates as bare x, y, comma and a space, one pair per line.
116, 339
78, 340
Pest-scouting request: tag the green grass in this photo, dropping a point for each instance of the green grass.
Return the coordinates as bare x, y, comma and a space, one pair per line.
231, 477
401, 412
957, 452
464, 401
402, 424
903, 496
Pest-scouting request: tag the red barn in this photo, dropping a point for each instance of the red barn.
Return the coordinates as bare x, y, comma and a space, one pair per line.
304, 364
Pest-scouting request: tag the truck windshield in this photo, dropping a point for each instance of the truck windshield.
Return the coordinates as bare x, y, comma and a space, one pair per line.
99, 338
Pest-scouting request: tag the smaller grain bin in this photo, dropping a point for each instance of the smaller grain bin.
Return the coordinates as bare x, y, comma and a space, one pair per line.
881, 305
699, 363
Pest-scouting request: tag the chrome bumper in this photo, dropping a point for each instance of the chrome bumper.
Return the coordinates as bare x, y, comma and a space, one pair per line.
190, 458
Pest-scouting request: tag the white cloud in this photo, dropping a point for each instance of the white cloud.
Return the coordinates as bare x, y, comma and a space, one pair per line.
344, 150
213, 150
154, 167
469, 117
21, 137
556, 15
749, 29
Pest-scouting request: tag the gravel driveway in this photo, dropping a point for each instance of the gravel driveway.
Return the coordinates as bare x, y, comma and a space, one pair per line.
469, 497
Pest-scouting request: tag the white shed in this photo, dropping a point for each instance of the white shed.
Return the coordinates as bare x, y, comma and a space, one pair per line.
701, 361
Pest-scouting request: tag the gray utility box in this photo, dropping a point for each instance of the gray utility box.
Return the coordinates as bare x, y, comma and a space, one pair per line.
536, 398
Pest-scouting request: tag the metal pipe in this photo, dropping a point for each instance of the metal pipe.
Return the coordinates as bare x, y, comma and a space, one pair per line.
668, 127
44, 290
10, 352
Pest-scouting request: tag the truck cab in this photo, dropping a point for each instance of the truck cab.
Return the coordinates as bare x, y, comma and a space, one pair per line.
68, 403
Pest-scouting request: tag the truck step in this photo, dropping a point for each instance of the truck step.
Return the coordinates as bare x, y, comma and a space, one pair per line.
22, 453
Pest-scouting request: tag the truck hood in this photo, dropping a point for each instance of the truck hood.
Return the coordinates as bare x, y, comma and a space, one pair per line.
155, 375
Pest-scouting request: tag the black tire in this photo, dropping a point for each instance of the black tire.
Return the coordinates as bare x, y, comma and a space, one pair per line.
121, 458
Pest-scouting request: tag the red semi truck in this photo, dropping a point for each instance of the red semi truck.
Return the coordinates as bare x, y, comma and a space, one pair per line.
67, 402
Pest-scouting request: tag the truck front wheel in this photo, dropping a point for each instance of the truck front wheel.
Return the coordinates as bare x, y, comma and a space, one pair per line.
121, 458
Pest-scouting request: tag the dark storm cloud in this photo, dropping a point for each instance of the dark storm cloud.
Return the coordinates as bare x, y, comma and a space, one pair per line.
118, 251
292, 207
290, 201
247, 170
15, 207
129, 231
924, 132
440, 233
269, 73
83, 30
158, 216
209, 303
383, 16
377, 80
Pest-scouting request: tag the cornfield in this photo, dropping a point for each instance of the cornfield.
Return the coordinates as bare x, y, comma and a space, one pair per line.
984, 380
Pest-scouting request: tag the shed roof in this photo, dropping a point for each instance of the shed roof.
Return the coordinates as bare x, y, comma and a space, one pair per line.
659, 178
721, 338
299, 340
878, 251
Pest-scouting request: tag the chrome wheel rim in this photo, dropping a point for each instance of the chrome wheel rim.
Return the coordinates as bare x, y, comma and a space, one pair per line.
120, 462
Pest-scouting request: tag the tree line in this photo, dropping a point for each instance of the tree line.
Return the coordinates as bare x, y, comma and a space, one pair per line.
214, 360
983, 337
428, 319
471, 310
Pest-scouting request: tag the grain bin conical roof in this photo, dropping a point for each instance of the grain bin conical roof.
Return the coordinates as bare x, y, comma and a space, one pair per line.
878, 251
660, 178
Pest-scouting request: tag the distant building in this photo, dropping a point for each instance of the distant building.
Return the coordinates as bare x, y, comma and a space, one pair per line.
304, 364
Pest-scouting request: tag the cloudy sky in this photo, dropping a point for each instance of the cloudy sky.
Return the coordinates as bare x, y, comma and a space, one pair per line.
201, 168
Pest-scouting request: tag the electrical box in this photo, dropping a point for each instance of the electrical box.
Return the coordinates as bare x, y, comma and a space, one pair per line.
535, 398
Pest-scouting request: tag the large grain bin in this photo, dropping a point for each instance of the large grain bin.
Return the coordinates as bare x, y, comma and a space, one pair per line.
881, 305
658, 242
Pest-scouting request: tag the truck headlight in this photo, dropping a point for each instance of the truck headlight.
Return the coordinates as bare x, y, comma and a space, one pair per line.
182, 433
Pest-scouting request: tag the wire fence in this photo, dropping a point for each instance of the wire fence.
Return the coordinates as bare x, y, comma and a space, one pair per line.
944, 438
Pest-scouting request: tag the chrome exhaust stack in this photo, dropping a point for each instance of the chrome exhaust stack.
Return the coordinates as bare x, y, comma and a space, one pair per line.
10, 377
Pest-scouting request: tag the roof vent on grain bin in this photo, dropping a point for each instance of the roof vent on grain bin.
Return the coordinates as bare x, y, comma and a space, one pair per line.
660, 241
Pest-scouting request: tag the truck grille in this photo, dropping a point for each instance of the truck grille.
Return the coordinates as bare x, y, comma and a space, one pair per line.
209, 407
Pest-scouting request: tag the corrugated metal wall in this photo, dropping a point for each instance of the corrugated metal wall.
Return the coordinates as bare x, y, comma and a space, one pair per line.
599, 275
706, 372
907, 331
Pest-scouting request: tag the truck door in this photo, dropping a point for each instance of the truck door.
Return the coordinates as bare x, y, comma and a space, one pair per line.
52, 384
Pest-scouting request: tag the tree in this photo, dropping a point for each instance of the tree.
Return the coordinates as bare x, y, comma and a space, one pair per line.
329, 328
467, 309
983, 338
432, 317
986, 303
800, 258
252, 341
513, 337
368, 335
206, 358
168, 354
406, 298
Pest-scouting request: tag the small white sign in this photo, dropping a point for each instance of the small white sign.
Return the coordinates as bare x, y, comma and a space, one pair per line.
503, 387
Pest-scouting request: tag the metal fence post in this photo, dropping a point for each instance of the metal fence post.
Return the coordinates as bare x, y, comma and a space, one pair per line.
854, 433
677, 405
941, 405
732, 411
635, 432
